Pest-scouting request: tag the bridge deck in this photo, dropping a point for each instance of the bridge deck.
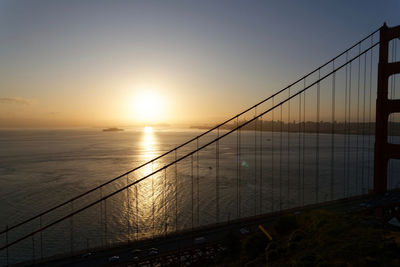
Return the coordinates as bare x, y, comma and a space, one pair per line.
180, 246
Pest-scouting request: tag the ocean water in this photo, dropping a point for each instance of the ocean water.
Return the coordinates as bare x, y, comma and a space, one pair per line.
40, 168
243, 175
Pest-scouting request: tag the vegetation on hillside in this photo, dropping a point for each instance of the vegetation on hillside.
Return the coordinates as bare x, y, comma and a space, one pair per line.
316, 238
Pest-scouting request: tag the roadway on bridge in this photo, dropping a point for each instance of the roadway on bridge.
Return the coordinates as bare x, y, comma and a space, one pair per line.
212, 234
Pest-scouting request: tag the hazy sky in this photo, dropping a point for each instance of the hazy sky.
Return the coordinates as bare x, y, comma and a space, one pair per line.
85, 63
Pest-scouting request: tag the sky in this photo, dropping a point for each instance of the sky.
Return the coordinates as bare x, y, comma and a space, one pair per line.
114, 63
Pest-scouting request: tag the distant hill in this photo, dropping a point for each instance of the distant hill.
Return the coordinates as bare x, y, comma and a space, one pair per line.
367, 128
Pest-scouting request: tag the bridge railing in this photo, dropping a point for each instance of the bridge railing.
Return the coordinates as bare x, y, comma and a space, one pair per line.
302, 145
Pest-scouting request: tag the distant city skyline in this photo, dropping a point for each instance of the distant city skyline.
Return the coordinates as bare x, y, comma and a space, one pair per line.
103, 63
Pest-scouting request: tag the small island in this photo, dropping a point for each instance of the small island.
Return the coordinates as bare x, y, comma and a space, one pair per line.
112, 129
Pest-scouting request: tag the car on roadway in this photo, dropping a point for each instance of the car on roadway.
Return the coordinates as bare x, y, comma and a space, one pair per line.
244, 231
137, 254
153, 251
113, 259
87, 255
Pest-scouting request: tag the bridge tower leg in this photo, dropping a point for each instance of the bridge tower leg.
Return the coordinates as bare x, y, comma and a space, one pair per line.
384, 106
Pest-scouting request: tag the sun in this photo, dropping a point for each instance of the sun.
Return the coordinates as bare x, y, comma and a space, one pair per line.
147, 106
148, 130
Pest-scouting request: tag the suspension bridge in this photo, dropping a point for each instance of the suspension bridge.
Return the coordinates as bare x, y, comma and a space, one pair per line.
330, 136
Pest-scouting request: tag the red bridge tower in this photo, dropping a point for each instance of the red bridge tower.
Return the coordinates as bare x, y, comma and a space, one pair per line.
384, 106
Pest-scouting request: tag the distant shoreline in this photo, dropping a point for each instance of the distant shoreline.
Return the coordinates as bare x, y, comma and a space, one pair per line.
353, 128
113, 129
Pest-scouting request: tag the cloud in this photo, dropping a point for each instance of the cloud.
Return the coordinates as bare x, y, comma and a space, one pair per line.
14, 100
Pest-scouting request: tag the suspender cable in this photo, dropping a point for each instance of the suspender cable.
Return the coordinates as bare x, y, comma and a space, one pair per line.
394, 90
272, 157
217, 176
348, 132
176, 191
192, 191
105, 223
304, 144
370, 116
100, 217
288, 154
152, 198
128, 210
41, 239
299, 155
137, 211
358, 116
363, 126
345, 145
7, 255
72, 229
394, 174
261, 165
240, 172
239, 167
317, 140
394, 97
280, 159
165, 202
333, 132
198, 183
255, 162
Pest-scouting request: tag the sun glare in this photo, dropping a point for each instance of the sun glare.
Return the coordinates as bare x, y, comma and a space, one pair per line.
147, 106
148, 129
